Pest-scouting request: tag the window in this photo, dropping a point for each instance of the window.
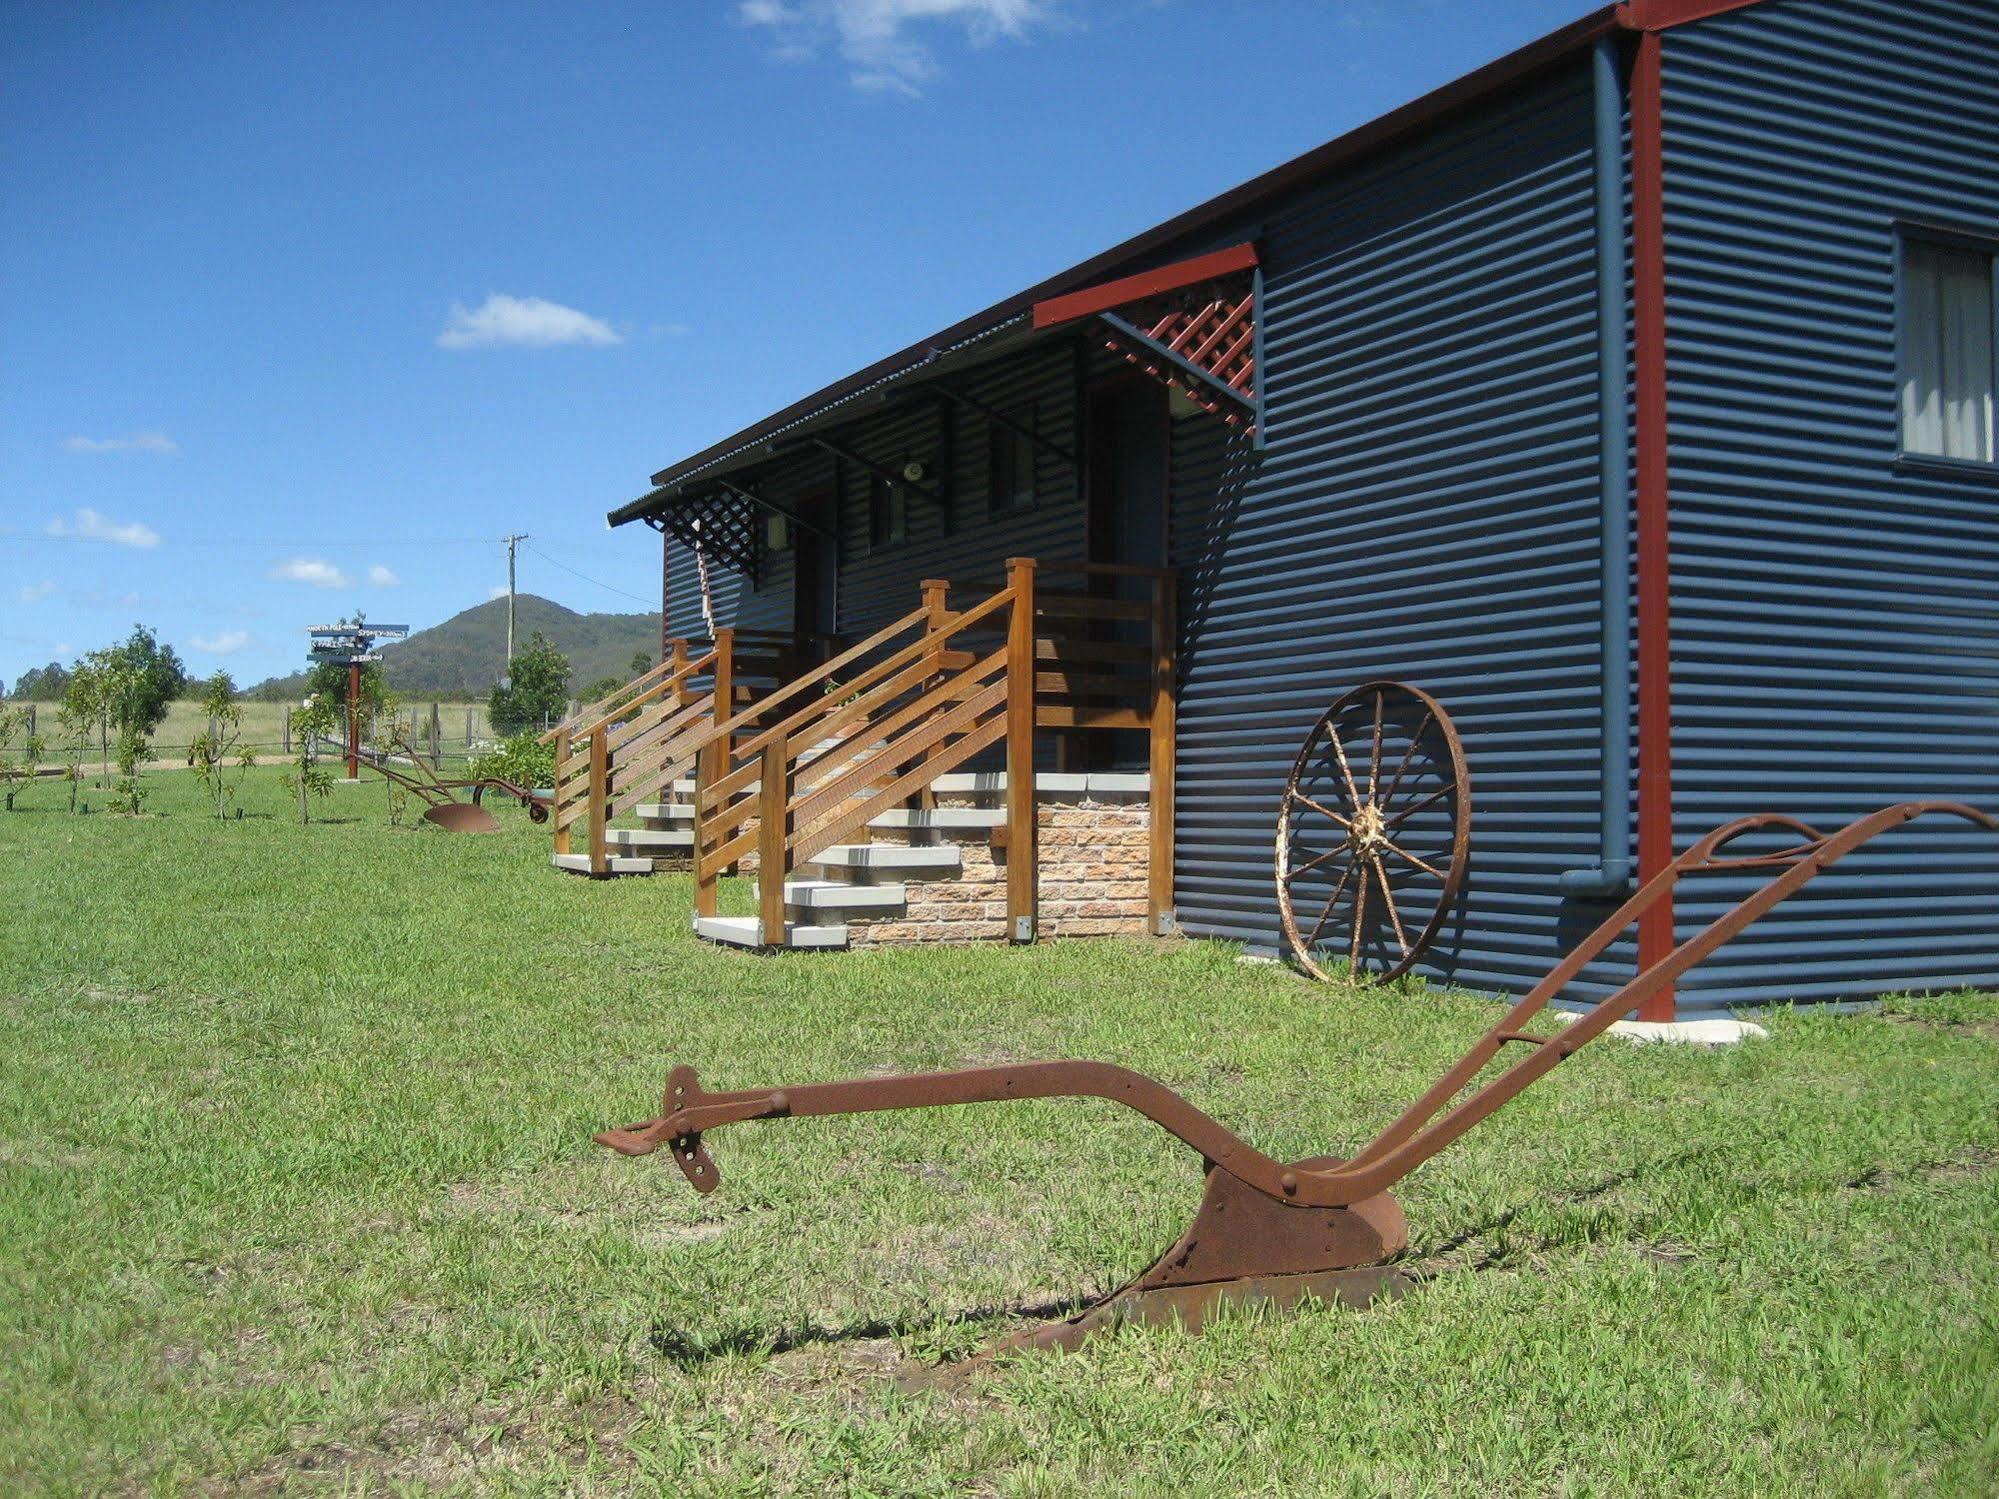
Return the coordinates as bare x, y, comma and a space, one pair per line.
888, 513
1950, 346
1010, 457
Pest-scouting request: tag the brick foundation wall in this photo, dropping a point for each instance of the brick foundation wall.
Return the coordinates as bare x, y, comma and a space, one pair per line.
1094, 852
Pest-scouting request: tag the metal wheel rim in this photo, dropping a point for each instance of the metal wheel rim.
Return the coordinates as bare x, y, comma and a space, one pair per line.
1366, 854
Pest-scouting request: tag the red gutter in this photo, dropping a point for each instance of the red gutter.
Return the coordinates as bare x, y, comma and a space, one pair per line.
1103, 297
1655, 656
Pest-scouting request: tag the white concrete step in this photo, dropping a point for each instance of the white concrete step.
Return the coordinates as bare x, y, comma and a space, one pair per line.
665, 811
616, 864
823, 895
1064, 782
940, 819
899, 856
747, 931
653, 841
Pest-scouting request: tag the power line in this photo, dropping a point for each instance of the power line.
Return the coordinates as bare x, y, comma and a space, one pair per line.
231, 541
596, 582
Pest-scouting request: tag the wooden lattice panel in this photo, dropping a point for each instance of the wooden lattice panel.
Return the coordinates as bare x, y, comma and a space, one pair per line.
723, 524
1212, 327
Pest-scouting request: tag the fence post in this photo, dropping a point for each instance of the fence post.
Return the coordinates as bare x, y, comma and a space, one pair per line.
600, 798
772, 834
285, 734
558, 819
468, 729
1164, 717
1021, 810
437, 738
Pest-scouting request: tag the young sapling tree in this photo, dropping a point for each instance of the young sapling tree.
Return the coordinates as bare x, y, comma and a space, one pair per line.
218, 753
305, 778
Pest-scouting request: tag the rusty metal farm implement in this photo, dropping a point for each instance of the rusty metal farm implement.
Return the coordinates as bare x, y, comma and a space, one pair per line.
1278, 1231
436, 793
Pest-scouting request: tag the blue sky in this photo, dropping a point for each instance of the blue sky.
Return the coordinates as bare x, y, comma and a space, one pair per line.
302, 308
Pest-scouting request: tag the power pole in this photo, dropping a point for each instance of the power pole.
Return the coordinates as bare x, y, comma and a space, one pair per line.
507, 672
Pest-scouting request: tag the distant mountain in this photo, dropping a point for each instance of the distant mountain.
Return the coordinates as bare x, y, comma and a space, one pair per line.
463, 657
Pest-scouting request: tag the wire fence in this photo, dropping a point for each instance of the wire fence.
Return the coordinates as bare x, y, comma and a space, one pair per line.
439, 729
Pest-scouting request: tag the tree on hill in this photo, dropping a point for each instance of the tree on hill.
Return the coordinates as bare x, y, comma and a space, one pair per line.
42, 684
537, 690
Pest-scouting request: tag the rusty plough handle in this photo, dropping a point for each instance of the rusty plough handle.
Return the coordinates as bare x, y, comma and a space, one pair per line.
1427, 1127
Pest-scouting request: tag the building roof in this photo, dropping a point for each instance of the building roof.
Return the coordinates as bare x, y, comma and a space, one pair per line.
982, 328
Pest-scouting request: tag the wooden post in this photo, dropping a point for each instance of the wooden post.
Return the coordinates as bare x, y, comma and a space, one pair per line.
773, 831
725, 674
1164, 717
600, 800
679, 660
708, 769
437, 737
555, 815
1021, 809
471, 720
937, 600
285, 734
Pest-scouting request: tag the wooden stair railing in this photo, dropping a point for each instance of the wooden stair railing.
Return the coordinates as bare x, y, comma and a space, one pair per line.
801, 769
632, 743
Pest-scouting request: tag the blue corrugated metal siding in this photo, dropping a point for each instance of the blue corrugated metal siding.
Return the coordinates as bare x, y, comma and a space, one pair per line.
1835, 621
1426, 509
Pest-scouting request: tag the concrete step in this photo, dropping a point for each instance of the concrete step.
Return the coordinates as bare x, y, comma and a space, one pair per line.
665, 811
943, 859
616, 864
653, 841
747, 931
1064, 782
940, 819
824, 895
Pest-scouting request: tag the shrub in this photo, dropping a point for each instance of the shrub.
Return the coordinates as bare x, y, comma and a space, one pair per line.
520, 760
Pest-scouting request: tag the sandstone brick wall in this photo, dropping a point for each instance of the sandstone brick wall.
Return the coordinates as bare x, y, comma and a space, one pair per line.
1094, 851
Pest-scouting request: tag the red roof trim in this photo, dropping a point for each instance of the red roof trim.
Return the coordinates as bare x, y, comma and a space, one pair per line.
1663, 15
1106, 295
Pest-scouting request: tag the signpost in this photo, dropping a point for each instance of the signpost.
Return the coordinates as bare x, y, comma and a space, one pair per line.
352, 645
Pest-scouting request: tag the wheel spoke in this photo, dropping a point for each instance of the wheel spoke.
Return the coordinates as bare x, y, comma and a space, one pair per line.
1429, 801
1322, 811
1304, 869
1408, 754
1326, 911
1374, 764
1359, 921
1340, 753
1400, 852
1388, 895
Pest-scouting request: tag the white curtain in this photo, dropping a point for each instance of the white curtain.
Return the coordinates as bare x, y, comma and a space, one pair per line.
1947, 384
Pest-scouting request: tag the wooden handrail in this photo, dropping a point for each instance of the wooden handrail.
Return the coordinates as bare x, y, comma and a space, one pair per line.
756, 710
674, 676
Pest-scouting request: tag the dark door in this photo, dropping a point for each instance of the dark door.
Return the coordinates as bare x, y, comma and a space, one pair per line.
815, 581
1130, 446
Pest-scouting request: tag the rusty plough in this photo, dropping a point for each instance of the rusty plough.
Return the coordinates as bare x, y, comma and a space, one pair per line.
1279, 1231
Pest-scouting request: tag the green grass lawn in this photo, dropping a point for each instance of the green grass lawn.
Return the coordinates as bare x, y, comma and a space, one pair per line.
297, 1193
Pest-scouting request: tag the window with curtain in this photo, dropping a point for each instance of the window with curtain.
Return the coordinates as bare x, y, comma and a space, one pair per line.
1950, 351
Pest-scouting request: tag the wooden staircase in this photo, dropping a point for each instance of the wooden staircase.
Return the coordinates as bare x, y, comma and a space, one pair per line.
630, 753
829, 787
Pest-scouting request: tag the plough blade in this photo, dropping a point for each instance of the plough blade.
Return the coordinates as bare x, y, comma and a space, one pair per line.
462, 817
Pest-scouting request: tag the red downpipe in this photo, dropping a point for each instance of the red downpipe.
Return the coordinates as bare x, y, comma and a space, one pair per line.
1655, 664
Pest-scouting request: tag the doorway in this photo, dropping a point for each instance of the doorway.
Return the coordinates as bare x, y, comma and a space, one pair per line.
815, 580
1130, 450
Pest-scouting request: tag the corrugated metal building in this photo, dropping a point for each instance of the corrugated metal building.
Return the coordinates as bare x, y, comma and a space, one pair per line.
1589, 396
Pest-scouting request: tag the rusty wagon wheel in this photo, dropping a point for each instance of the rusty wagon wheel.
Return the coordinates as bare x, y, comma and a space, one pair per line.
1374, 833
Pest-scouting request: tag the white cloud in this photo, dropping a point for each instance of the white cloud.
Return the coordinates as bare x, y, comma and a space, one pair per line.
88, 525
381, 577
221, 644
523, 322
34, 593
137, 442
497, 591
873, 36
309, 570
